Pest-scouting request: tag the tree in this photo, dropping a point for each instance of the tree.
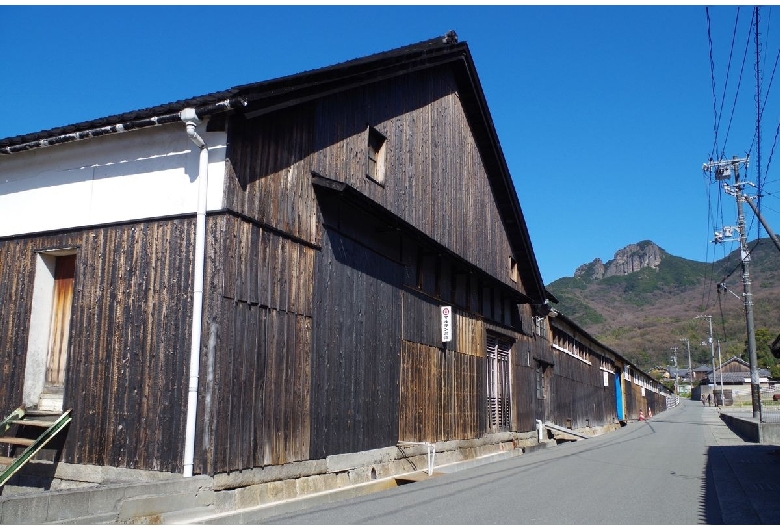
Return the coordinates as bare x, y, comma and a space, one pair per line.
763, 355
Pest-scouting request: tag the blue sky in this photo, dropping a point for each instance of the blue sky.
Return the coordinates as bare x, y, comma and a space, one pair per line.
605, 114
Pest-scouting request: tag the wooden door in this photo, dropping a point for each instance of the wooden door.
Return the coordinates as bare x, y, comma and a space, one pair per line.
62, 300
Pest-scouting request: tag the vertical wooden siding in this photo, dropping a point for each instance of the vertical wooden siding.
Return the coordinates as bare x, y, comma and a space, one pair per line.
269, 171
129, 339
436, 179
356, 349
524, 397
441, 394
422, 324
17, 274
261, 302
635, 401
442, 391
579, 394
632, 399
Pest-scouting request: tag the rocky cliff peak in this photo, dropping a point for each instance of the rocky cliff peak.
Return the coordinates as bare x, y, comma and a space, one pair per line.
627, 260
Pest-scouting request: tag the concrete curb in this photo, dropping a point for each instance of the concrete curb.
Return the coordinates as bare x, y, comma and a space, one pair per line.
259, 513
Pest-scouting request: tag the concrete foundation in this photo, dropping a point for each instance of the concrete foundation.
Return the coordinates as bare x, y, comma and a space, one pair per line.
94, 494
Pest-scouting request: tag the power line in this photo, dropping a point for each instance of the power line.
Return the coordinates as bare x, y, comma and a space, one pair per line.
714, 95
771, 78
719, 116
722, 315
768, 28
759, 110
706, 290
739, 85
777, 131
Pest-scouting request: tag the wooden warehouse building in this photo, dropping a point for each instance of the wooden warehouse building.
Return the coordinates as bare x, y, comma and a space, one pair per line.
256, 277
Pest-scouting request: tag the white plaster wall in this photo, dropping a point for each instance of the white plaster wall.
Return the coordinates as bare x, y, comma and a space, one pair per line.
40, 320
122, 177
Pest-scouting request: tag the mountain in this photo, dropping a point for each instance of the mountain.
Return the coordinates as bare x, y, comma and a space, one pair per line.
644, 300
627, 260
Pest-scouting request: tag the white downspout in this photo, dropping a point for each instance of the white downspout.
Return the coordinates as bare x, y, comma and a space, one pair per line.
191, 120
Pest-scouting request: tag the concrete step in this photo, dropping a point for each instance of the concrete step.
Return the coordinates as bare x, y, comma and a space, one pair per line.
50, 401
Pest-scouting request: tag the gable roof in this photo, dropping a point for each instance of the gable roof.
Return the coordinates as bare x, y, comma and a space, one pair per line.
736, 360
736, 377
258, 98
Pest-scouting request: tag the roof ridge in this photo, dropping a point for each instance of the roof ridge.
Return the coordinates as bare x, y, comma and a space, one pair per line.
443, 42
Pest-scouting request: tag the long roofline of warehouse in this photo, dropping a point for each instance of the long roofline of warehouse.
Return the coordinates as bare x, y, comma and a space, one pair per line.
595, 340
258, 98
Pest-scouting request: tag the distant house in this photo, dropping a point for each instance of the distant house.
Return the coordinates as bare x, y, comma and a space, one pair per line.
260, 277
701, 372
735, 373
682, 373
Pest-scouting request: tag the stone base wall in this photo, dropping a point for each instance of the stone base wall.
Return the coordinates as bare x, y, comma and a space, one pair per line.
41, 475
95, 494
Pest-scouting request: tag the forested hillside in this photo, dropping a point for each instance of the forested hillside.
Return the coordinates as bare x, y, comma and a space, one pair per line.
645, 300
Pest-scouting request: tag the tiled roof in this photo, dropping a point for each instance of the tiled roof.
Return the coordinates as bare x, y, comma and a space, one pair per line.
738, 377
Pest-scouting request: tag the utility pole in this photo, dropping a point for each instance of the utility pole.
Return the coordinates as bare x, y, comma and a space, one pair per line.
768, 229
720, 363
690, 368
723, 171
712, 348
676, 375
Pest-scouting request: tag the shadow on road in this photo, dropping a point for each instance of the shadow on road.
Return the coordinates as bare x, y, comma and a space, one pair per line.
709, 508
742, 485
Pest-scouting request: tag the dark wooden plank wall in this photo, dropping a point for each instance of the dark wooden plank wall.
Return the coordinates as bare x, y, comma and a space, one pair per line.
128, 356
635, 401
632, 399
269, 171
733, 367
261, 301
17, 274
356, 348
580, 398
524, 403
579, 395
578, 391
442, 391
441, 395
655, 401
435, 180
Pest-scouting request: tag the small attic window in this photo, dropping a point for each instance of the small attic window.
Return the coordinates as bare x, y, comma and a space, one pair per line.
513, 269
376, 156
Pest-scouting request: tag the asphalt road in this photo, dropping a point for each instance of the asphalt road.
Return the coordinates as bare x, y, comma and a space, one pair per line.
652, 472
